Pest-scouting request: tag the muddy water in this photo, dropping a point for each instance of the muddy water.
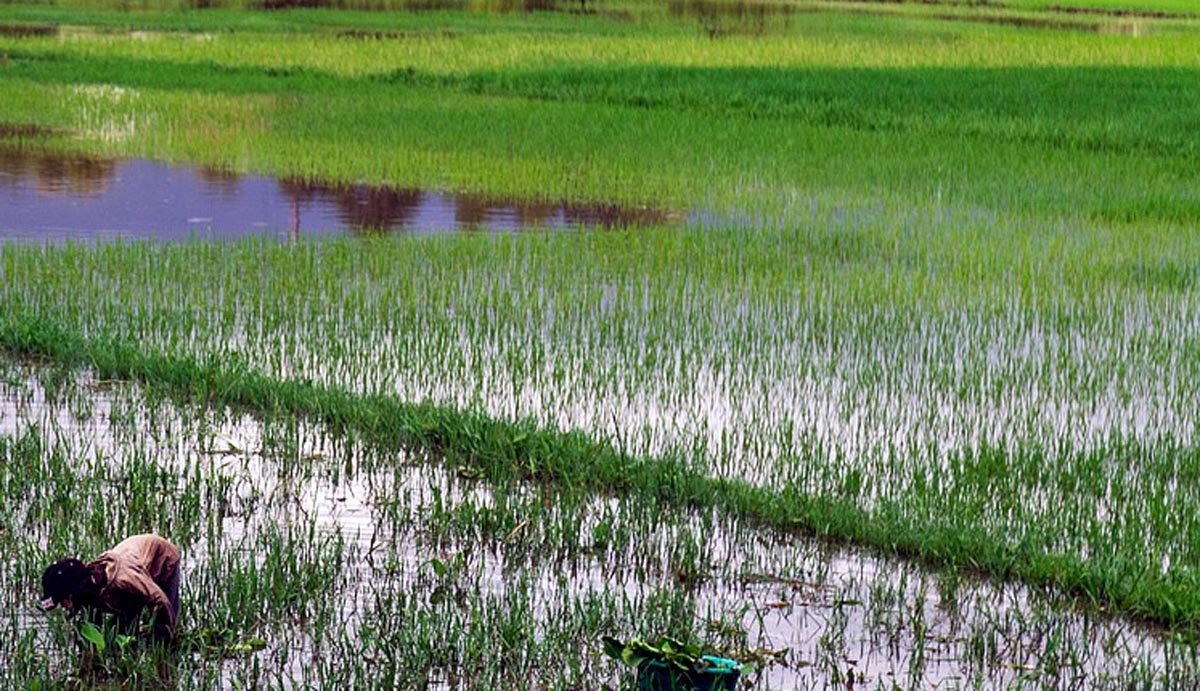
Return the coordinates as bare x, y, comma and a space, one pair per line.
52, 197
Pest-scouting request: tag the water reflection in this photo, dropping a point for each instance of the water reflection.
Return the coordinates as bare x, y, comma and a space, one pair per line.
810, 613
49, 196
51, 176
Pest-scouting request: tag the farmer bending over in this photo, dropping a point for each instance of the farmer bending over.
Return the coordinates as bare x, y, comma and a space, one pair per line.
141, 571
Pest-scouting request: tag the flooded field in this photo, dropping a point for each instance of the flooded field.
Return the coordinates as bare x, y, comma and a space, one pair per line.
367, 565
986, 434
47, 196
875, 367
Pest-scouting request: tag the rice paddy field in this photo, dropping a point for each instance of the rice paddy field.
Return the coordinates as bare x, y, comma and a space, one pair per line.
884, 376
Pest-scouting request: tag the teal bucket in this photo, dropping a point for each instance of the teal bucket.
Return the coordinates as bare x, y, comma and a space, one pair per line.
720, 675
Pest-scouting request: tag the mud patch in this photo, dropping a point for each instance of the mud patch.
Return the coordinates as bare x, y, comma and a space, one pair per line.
20, 130
377, 35
486, 6
1026, 22
27, 30
719, 18
1117, 12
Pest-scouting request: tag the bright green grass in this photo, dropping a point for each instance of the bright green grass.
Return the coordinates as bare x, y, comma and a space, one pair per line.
635, 8
594, 108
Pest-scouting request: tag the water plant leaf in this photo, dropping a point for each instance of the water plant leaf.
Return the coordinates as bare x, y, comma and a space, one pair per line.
250, 645
215, 638
634, 655
225, 642
685, 657
613, 648
602, 534
92, 635
470, 472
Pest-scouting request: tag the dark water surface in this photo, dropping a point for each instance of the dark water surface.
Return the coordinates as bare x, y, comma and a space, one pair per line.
51, 196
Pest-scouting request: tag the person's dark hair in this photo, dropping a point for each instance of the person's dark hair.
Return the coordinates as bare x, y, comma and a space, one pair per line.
65, 578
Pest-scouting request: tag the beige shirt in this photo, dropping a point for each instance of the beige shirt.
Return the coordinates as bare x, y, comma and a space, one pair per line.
137, 570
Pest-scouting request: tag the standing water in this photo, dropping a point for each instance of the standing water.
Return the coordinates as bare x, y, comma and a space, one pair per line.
52, 197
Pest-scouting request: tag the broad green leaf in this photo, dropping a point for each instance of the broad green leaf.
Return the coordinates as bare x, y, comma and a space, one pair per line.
613, 648
256, 643
637, 651
470, 473
250, 645
93, 635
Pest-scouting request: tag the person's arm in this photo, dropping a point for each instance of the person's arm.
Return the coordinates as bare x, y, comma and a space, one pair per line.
153, 596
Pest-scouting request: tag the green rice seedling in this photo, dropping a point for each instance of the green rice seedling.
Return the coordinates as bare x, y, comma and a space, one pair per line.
963, 489
307, 579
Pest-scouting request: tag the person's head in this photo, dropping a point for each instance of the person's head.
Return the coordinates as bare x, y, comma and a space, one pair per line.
64, 582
